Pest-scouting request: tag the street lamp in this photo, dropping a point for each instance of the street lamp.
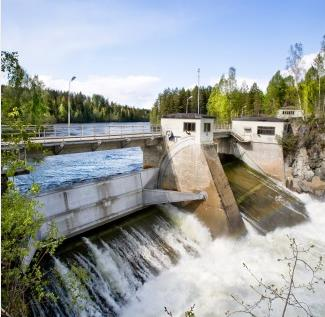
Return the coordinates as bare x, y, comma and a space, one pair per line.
187, 102
71, 80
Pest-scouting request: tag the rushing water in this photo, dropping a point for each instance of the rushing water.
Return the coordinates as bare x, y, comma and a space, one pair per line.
164, 256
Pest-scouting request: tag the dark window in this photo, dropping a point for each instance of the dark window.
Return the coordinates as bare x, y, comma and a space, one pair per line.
248, 130
207, 127
266, 130
189, 126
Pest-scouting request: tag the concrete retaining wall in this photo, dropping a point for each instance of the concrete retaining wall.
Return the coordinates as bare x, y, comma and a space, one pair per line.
185, 168
266, 158
83, 207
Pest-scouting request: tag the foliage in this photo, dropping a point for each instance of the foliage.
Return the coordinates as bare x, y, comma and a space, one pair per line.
20, 223
218, 105
20, 220
286, 295
289, 143
35, 105
227, 100
178, 100
90, 109
24, 96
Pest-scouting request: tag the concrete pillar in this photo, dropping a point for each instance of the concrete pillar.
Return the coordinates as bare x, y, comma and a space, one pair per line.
266, 158
185, 168
153, 151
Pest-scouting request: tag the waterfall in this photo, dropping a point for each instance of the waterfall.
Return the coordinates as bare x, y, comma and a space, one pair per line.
164, 256
168, 258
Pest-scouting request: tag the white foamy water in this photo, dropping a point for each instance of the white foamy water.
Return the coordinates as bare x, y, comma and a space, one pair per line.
177, 264
209, 280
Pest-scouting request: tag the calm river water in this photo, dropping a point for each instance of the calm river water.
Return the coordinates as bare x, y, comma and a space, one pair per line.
164, 256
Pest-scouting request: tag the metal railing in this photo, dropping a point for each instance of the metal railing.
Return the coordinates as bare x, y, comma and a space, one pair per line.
222, 126
79, 131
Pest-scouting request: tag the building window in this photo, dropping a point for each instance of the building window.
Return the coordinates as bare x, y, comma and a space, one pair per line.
289, 112
189, 126
207, 127
248, 130
266, 130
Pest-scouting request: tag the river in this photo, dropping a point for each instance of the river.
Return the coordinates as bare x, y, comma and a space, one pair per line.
164, 256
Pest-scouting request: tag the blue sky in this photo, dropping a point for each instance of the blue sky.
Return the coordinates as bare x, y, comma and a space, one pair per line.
131, 50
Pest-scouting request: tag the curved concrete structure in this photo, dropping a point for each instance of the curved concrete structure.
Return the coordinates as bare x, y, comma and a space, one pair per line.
189, 166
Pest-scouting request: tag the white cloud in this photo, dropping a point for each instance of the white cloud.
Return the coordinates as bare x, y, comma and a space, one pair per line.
133, 90
306, 62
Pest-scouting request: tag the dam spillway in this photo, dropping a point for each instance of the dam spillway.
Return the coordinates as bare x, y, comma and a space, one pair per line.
261, 201
149, 260
156, 258
153, 259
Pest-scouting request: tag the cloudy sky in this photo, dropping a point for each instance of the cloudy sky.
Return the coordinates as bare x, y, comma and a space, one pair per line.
131, 50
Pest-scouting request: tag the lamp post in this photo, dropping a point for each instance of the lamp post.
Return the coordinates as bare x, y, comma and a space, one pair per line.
187, 102
71, 80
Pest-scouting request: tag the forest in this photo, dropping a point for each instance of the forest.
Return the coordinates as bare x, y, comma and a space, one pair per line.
296, 87
37, 104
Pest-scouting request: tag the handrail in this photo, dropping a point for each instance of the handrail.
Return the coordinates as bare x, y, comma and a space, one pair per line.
80, 130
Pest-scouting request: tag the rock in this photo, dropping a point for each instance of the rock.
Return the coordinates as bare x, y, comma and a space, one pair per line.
301, 166
315, 187
320, 172
295, 185
304, 186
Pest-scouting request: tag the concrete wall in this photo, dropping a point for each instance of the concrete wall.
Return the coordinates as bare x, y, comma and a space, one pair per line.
239, 128
153, 151
266, 158
83, 207
176, 126
290, 113
185, 168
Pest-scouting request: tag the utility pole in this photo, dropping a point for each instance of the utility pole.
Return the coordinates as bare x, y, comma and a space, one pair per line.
72, 79
198, 90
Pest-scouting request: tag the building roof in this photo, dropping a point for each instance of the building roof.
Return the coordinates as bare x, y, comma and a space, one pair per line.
187, 116
290, 108
262, 119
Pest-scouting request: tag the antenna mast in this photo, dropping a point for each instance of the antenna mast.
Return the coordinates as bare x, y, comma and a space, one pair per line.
198, 90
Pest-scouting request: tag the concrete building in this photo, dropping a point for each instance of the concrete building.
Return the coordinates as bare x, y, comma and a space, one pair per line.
261, 149
191, 164
180, 125
259, 129
289, 112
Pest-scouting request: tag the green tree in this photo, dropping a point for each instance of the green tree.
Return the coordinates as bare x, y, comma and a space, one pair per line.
255, 99
20, 220
294, 65
309, 91
275, 94
218, 105
319, 64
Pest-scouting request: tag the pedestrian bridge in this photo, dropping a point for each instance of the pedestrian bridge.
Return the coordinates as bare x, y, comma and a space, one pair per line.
63, 139
76, 138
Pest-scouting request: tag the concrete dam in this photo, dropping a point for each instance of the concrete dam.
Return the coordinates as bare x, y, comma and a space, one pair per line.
181, 165
214, 194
